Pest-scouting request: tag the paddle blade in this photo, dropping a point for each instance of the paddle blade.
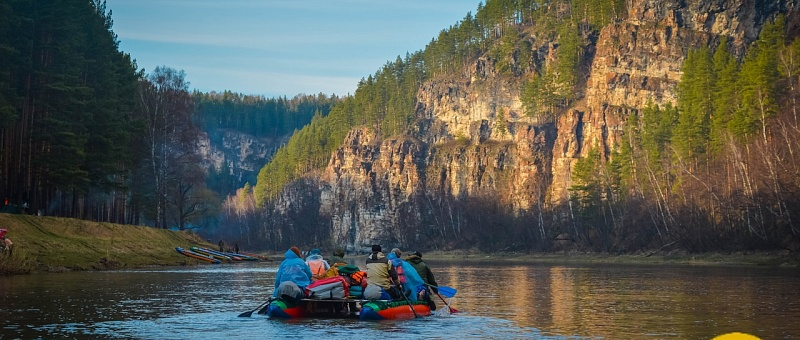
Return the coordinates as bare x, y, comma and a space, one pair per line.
447, 291
265, 305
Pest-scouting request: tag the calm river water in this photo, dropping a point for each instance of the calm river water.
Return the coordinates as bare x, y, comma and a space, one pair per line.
496, 300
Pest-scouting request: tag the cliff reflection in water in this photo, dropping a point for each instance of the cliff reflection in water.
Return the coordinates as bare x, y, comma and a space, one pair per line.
614, 301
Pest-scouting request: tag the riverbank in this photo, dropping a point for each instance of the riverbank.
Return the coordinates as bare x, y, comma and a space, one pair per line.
53, 244
676, 257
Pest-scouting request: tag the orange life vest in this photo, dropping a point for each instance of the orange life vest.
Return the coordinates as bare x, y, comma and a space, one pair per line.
358, 277
317, 268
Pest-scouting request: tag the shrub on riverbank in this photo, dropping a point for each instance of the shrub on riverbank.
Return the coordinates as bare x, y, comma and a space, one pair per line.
44, 243
15, 263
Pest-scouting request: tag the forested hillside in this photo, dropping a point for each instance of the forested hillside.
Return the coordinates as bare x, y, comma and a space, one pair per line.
86, 134
245, 131
614, 126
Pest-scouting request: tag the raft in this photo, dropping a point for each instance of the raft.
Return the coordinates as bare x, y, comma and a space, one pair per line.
393, 310
189, 253
345, 308
285, 309
312, 308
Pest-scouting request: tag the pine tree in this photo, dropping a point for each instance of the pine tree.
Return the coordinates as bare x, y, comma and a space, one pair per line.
758, 83
695, 93
726, 68
569, 58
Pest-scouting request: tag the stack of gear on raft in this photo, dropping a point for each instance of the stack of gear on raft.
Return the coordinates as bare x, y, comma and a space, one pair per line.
387, 277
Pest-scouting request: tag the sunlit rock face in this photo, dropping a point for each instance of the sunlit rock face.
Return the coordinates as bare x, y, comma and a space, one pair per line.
473, 137
638, 61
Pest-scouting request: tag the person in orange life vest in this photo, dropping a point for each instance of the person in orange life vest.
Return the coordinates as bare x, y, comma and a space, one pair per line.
317, 264
293, 269
381, 274
407, 275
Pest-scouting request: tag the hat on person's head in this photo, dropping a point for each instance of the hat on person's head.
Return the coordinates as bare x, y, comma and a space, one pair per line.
315, 251
296, 251
376, 247
396, 251
417, 254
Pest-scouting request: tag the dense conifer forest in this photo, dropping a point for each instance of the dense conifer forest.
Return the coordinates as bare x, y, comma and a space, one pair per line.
85, 133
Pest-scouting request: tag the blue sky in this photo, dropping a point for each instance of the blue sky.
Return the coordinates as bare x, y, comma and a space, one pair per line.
279, 47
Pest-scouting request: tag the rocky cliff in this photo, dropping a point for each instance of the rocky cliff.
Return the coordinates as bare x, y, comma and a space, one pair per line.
242, 154
474, 139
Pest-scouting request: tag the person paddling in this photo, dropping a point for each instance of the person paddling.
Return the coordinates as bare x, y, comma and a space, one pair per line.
407, 275
415, 259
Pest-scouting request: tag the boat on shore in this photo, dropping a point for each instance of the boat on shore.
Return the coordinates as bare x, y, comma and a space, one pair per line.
195, 255
224, 255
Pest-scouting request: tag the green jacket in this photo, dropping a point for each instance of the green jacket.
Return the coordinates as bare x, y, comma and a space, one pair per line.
424, 272
335, 259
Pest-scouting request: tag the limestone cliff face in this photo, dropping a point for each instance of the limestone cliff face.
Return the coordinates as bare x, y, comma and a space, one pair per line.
244, 154
372, 189
638, 61
473, 137
369, 187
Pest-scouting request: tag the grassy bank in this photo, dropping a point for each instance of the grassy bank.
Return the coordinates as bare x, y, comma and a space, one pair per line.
58, 244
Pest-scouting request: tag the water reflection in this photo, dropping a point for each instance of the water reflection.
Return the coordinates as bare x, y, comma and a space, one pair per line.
614, 301
497, 300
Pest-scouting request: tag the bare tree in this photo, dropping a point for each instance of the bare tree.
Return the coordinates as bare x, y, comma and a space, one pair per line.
166, 104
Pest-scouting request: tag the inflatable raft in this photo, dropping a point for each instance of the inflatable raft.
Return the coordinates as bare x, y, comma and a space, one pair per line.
345, 308
393, 310
312, 308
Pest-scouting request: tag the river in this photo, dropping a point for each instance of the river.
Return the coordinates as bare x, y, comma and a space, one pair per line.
498, 300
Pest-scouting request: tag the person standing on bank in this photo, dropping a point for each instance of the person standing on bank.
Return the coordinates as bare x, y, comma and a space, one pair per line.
7, 245
381, 275
415, 259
